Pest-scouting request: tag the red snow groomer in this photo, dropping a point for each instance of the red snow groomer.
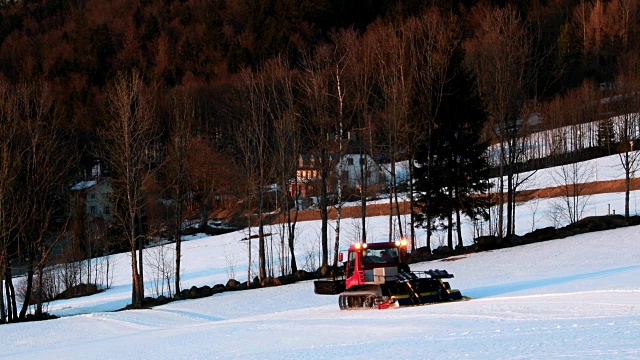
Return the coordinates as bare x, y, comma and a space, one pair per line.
376, 276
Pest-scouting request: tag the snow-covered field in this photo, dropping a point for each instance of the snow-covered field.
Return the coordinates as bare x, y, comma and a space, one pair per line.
599, 169
543, 212
577, 297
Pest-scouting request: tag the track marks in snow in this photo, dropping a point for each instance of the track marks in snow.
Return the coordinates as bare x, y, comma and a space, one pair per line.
134, 319
494, 290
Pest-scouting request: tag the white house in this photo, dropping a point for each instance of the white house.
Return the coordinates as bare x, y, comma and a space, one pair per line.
95, 196
308, 173
352, 171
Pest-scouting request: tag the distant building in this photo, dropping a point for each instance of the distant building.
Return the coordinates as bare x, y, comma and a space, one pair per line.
94, 196
307, 177
308, 174
352, 176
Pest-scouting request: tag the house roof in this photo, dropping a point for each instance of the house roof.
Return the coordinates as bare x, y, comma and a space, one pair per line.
83, 185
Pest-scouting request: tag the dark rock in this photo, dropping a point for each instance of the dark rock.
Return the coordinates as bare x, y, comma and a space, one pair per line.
77, 291
563, 233
206, 290
323, 271
217, 288
287, 279
419, 255
303, 275
232, 285
43, 316
578, 230
514, 240
441, 252
460, 249
473, 248
243, 286
160, 300
193, 292
633, 220
543, 234
595, 223
269, 281
199, 292
487, 242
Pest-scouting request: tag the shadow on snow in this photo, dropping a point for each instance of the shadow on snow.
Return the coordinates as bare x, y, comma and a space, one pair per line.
487, 291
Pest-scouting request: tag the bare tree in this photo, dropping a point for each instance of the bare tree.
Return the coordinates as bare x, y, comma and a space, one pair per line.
624, 16
42, 188
286, 150
253, 139
581, 16
342, 69
176, 167
432, 38
395, 81
127, 139
9, 218
364, 85
499, 54
627, 104
314, 84
159, 261
211, 175
572, 179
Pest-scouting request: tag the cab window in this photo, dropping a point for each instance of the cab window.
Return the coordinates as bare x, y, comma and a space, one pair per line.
351, 263
381, 256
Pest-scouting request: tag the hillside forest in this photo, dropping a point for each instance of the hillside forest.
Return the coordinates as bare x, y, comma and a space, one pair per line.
189, 109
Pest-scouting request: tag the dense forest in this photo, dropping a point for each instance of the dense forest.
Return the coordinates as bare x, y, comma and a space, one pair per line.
192, 105
78, 47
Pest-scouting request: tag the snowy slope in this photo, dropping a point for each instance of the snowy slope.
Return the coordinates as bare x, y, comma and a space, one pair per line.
599, 169
576, 297
540, 213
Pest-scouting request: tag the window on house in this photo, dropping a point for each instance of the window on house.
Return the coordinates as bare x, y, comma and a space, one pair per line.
92, 210
107, 211
92, 196
349, 161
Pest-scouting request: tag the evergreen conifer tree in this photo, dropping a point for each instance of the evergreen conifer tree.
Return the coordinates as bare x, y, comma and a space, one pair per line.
459, 169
